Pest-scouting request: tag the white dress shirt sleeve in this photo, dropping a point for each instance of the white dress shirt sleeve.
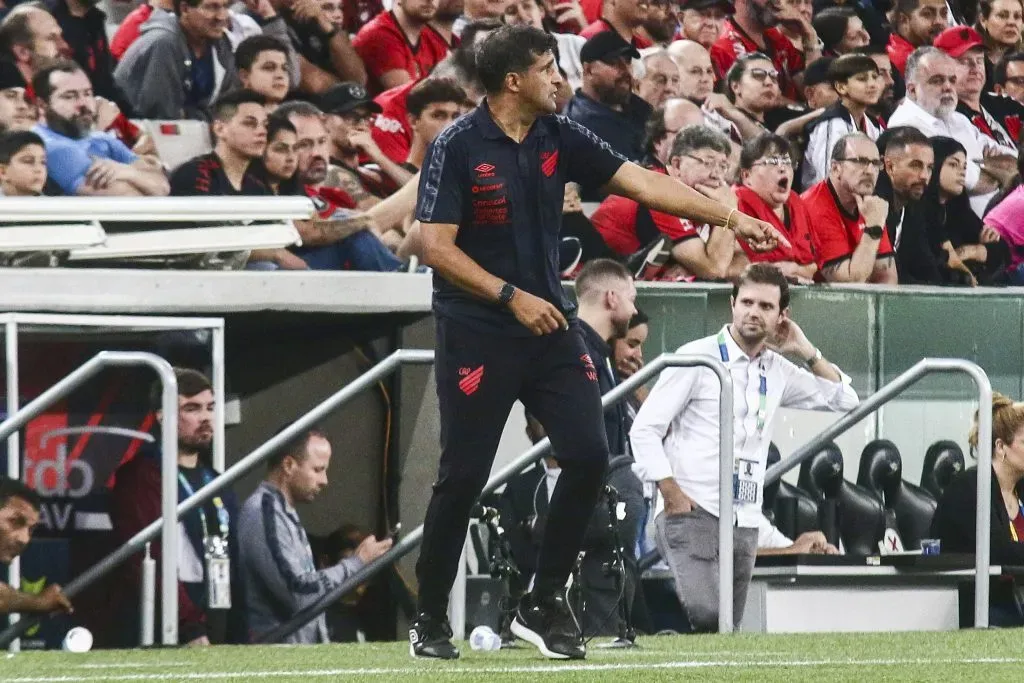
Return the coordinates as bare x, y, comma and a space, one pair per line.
807, 391
769, 537
663, 405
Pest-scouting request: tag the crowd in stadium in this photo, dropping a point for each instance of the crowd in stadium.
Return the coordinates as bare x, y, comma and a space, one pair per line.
894, 125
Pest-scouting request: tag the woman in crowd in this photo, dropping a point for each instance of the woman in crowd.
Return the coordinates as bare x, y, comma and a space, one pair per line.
955, 517
277, 168
765, 192
970, 259
999, 23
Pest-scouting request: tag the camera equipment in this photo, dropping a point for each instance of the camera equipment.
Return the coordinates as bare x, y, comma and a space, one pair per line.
617, 567
501, 564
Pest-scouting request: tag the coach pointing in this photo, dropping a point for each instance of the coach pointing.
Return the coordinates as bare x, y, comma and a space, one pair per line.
490, 203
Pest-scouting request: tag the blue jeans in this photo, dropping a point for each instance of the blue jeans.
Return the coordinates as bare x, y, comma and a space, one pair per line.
359, 251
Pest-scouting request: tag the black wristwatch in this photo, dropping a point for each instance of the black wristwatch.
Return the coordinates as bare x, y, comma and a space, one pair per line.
505, 294
874, 231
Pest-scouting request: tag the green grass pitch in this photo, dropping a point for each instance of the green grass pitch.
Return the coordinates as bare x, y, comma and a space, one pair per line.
964, 656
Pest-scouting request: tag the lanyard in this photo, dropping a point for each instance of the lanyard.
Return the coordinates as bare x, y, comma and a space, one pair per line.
222, 513
1013, 529
762, 388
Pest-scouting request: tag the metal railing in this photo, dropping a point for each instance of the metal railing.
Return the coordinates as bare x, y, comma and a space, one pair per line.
169, 467
927, 366
539, 450
170, 516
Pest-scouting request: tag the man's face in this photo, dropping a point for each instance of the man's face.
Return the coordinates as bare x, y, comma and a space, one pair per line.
18, 520
696, 75
539, 85
703, 25
341, 127
621, 302
524, 12
771, 177
25, 175
434, 118
628, 351
700, 167
766, 12
207, 21
280, 159
970, 79
660, 81
268, 75
15, 111
47, 38
756, 312
1014, 86
660, 22
855, 37
934, 89
632, 12
313, 148
925, 23
612, 81
858, 173
910, 169
334, 12
885, 73
820, 95
758, 87
306, 478
195, 422
419, 10
864, 88
71, 109
245, 133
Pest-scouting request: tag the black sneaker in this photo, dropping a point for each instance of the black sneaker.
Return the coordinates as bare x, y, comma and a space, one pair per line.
570, 251
430, 637
551, 627
647, 263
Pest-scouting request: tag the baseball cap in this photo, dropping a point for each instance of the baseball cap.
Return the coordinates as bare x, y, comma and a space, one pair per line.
344, 97
607, 45
725, 5
816, 72
956, 40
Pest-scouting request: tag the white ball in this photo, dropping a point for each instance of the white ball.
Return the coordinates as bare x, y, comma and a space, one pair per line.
78, 639
484, 638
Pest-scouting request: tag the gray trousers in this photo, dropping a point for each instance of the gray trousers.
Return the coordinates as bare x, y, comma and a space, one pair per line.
689, 545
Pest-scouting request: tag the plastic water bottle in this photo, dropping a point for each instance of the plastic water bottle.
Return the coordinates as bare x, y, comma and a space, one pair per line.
484, 638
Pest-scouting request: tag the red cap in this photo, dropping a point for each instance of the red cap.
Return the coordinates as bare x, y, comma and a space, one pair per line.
956, 40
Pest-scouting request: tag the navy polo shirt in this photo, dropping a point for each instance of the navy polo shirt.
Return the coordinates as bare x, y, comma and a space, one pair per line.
506, 198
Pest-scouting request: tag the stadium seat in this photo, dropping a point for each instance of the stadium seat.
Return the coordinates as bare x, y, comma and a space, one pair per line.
221, 247
911, 507
846, 510
46, 244
178, 141
791, 510
942, 461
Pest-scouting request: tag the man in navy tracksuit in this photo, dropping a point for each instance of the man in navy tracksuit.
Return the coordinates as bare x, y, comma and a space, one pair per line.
490, 203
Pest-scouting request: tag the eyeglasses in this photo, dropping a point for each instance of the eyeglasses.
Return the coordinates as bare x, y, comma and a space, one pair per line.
863, 161
774, 161
720, 166
761, 75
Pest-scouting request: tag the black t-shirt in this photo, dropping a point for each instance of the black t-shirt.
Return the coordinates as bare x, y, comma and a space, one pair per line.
204, 175
309, 40
506, 198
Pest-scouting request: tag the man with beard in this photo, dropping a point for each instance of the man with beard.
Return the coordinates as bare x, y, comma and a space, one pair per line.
660, 80
400, 46
19, 515
930, 107
997, 116
850, 241
30, 37
240, 131
887, 100
660, 24
624, 18
338, 238
490, 207
753, 29
208, 534
908, 160
605, 103
917, 23
79, 159
675, 436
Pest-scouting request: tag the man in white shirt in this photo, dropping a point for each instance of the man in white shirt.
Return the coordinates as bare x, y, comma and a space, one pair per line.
675, 436
930, 106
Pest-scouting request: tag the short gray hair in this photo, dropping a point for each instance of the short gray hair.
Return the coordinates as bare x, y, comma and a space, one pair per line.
918, 56
839, 149
692, 138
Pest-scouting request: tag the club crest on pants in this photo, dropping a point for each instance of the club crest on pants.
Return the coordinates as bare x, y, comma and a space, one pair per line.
469, 379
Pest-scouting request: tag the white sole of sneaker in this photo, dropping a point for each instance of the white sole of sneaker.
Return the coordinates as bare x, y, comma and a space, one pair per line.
533, 638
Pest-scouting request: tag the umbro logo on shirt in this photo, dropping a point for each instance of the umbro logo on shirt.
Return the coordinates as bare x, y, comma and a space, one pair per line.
485, 170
